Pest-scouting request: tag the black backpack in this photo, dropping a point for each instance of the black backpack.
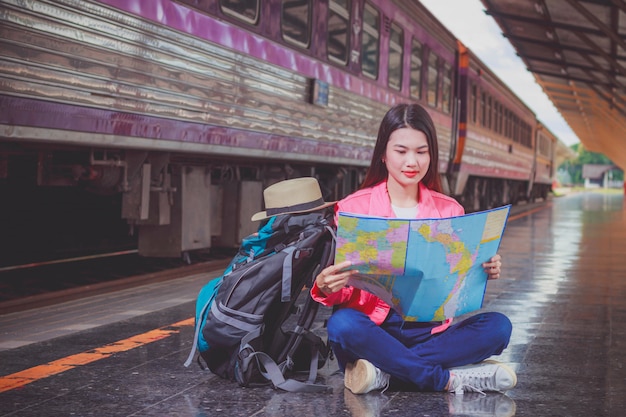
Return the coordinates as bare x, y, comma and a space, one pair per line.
254, 323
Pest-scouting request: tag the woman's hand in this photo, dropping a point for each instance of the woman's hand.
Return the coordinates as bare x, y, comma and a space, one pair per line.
333, 279
493, 267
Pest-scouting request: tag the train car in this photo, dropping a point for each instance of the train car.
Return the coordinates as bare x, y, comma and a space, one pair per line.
545, 162
494, 159
180, 112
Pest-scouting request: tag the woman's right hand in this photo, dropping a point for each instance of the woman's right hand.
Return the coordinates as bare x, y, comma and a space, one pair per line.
333, 279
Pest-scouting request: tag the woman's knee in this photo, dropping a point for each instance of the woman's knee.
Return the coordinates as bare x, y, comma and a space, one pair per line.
501, 327
343, 324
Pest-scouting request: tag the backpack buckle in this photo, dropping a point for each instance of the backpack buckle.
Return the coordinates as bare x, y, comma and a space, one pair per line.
304, 253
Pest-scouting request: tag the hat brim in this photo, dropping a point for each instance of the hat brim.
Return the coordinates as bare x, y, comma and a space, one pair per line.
262, 215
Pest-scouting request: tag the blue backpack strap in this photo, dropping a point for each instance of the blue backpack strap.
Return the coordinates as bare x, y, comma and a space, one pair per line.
205, 299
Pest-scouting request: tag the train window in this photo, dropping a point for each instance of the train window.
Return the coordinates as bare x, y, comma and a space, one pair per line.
338, 30
396, 47
370, 42
446, 92
544, 146
245, 10
483, 109
474, 104
433, 80
498, 117
494, 117
507, 123
295, 21
416, 69
489, 124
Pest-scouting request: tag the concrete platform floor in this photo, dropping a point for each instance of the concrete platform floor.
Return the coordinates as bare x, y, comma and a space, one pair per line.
563, 287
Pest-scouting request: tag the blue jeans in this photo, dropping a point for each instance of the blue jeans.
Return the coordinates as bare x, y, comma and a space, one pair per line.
408, 352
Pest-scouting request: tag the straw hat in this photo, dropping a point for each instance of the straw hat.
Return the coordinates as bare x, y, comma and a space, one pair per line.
298, 195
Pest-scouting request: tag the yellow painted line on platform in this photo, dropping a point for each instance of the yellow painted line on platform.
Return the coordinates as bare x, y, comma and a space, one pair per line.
19, 379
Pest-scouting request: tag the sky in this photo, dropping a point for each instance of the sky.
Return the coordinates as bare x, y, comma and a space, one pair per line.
467, 20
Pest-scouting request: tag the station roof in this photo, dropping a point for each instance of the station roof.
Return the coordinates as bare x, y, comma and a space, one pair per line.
576, 50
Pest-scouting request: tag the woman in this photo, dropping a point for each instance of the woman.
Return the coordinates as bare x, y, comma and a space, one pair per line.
371, 342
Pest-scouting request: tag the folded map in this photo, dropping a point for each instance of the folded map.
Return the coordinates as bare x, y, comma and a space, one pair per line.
426, 269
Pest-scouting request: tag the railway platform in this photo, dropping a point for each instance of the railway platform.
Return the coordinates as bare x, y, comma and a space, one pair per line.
122, 353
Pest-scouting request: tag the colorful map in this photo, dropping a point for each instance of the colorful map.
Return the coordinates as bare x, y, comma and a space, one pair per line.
427, 269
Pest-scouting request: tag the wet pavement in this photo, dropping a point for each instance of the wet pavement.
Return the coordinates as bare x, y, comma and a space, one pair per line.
563, 286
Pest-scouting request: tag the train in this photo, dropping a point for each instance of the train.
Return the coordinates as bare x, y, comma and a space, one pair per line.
176, 114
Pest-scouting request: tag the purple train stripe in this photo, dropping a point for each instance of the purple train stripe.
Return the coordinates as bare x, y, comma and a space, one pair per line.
42, 114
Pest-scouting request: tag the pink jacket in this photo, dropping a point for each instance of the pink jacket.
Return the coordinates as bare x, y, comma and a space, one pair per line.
375, 201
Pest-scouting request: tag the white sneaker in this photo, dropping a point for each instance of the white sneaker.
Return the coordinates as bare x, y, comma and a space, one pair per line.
481, 377
362, 377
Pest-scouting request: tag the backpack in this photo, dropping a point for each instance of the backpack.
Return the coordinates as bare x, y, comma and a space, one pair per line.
254, 323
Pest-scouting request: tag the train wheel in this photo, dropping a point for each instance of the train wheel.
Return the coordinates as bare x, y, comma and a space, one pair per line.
498, 193
513, 193
472, 195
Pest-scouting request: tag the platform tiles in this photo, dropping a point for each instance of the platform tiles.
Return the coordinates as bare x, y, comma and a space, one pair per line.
563, 287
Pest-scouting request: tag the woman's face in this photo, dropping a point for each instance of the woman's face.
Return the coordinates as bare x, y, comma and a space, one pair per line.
406, 157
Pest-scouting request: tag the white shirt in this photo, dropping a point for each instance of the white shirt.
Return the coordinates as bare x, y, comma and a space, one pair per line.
405, 212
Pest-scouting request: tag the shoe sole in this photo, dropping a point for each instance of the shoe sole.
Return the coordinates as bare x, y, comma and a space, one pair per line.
508, 369
358, 375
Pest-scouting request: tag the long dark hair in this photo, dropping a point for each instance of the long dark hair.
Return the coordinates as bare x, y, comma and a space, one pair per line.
399, 116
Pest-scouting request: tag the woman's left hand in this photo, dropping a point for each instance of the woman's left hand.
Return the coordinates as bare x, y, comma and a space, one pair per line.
493, 267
